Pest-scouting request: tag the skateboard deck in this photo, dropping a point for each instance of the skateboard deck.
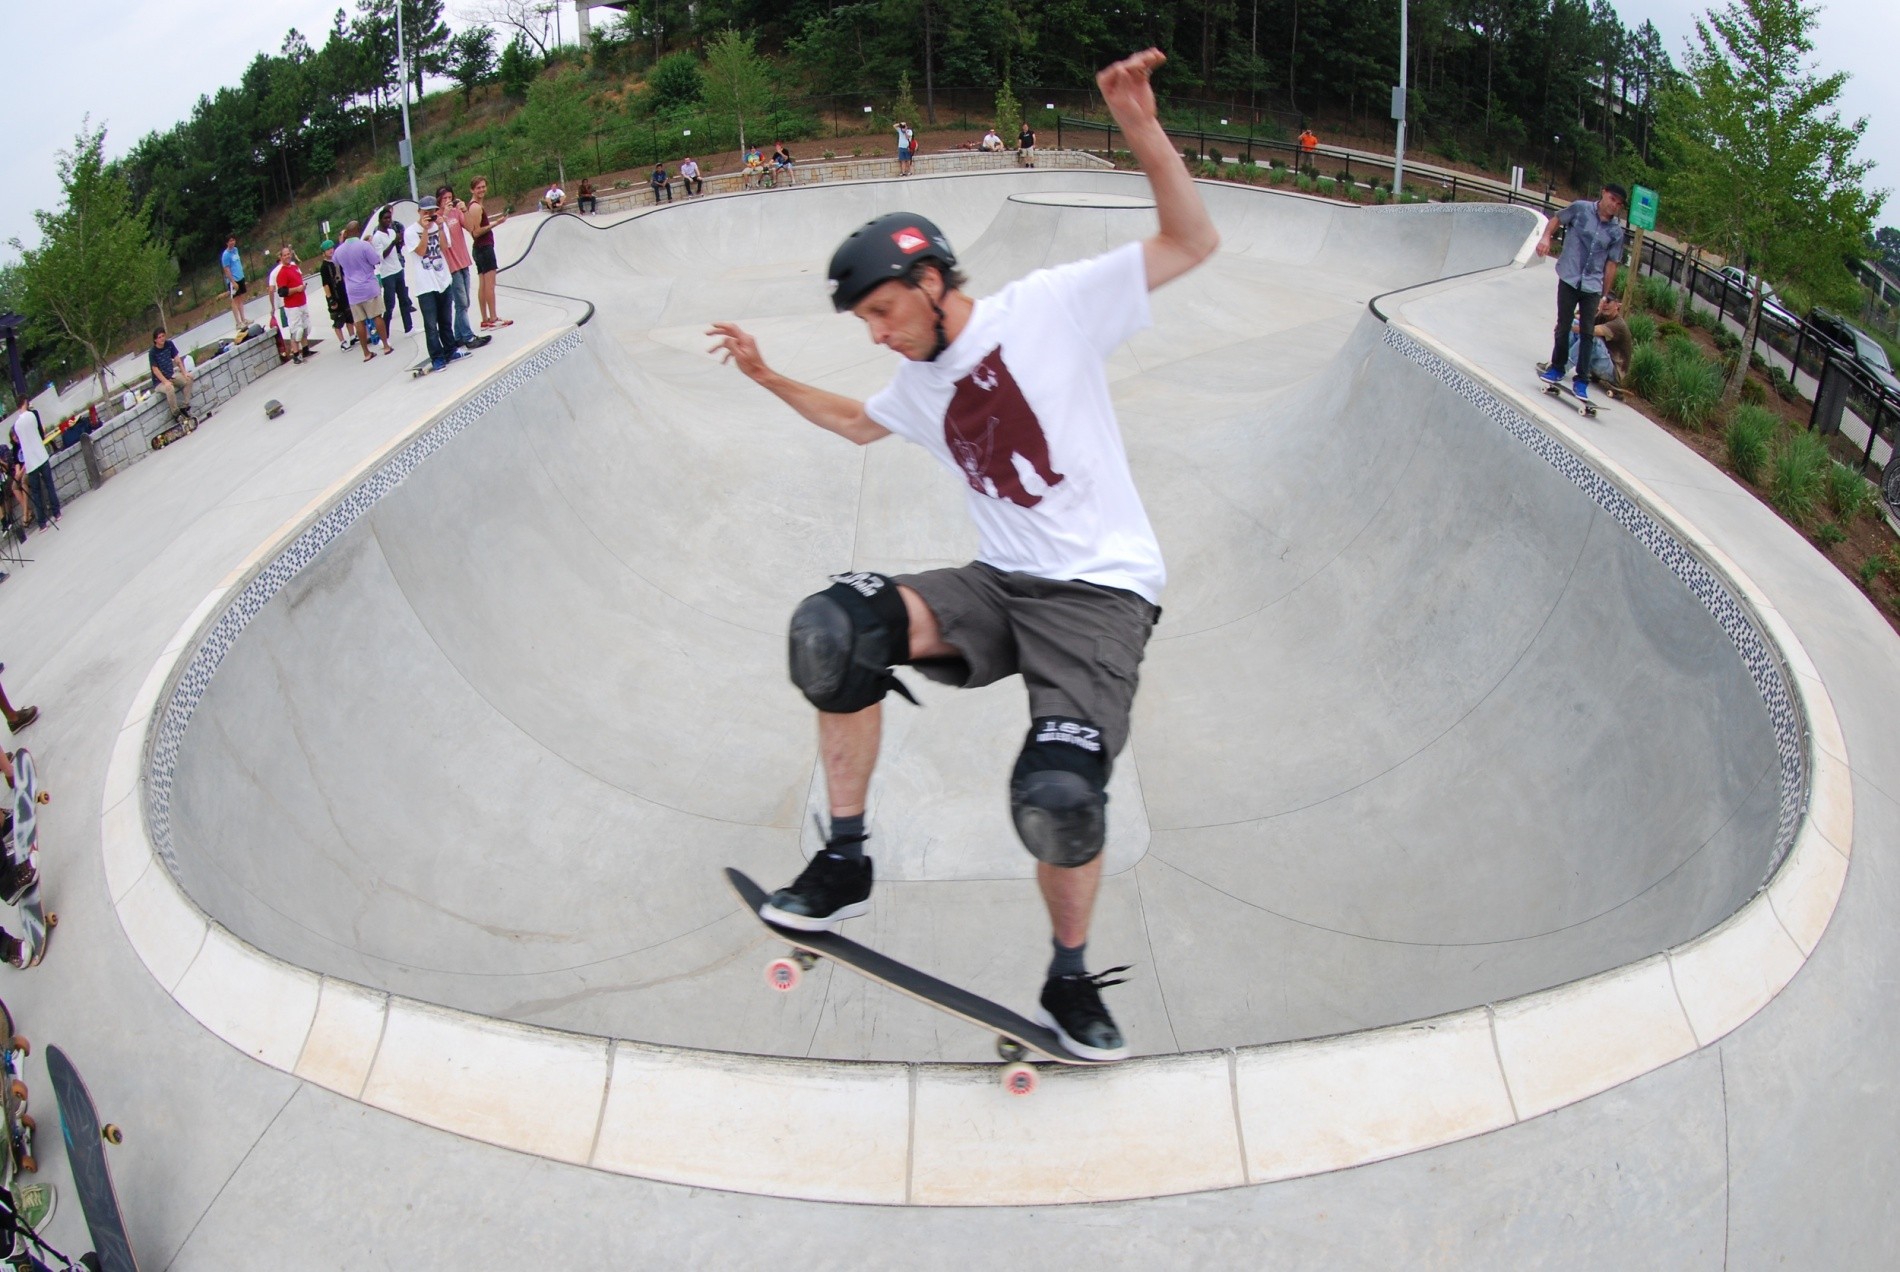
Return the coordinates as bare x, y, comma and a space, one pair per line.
1016, 1035
23, 847
13, 1098
86, 1153
1564, 393
427, 367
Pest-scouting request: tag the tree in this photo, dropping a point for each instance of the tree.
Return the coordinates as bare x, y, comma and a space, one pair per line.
738, 80
1763, 166
96, 269
517, 70
556, 120
675, 81
528, 18
1009, 113
472, 58
1887, 241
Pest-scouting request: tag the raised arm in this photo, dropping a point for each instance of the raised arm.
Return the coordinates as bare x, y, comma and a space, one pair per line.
833, 412
1187, 236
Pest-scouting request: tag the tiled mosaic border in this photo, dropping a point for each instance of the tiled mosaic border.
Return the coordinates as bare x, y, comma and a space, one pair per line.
1764, 667
250, 602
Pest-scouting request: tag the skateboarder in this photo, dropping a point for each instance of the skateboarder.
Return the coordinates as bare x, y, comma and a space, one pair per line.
1011, 393
1593, 244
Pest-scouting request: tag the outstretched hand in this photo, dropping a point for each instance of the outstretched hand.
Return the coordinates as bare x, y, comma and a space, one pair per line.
1125, 86
736, 346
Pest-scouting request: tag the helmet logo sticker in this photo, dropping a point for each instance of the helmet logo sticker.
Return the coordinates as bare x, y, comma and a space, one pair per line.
910, 240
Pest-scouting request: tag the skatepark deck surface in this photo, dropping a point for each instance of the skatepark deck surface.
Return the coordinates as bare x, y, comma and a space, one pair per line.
1423, 726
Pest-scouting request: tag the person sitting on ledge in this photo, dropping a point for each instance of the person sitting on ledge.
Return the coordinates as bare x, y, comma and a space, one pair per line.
662, 187
690, 178
991, 141
555, 199
585, 200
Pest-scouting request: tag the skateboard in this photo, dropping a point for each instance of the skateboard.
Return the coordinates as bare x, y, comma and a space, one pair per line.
181, 424
1563, 391
1016, 1036
13, 1097
427, 366
23, 849
92, 1176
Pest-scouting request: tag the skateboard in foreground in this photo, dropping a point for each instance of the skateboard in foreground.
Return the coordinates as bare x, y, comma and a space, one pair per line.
19, 1159
23, 860
86, 1152
1565, 393
1016, 1036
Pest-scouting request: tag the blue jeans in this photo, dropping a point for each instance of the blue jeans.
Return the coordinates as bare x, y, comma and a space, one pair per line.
395, 285
45, 495
438, 309
458, 285
1601, 364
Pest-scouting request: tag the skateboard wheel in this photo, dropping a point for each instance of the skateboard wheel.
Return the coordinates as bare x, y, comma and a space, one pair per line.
44, 797
52, 920
29, 1163
18, 1090
111, 1134
1010, 1050
21, 1045
782, 974
1020, 1079
805, 959
26, 1121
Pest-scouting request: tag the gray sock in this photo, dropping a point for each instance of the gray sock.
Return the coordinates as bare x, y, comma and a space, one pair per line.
1067, 962
851, 831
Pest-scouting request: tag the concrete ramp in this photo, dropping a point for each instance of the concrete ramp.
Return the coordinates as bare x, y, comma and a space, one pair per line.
1426, 723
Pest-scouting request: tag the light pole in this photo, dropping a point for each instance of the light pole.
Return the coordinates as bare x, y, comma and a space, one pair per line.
1398, 112
402, 88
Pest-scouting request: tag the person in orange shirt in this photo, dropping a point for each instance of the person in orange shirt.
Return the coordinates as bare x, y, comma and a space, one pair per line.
1309, 147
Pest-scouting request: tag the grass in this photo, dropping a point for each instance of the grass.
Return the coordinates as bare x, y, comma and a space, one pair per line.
1661, 298
1798, 476
1647, 368
1691, 389
1642, 328
1848, 493
1751, 437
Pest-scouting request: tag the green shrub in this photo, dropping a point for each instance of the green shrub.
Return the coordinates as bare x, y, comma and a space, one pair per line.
1727, 341
1668, 329
1681, 346
1848, 493
1214, 155
1750, 437
1344, 176
1647, 368
1757, 362
1642, 328
1661, 298
1326, 186
1830, 534
1878, 564
1691, 388
1783, 386
1797, 475
1753, 393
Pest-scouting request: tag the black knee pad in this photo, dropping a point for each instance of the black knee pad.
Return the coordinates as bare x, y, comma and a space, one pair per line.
1058, 795
845, 639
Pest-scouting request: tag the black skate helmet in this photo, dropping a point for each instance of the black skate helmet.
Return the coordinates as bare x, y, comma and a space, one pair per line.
885, 249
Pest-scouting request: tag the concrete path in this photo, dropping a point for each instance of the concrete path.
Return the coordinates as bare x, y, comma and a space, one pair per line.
1340, 560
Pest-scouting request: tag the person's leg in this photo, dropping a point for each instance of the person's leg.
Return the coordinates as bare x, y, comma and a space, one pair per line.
171, 394
458, 287
1586, 322
408, 305
432, 329
16, 719
1567, 297
38, 483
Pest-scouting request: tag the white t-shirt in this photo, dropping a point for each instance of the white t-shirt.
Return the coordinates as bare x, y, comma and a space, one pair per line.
428, 268
380, 240
903, 138
1018, 405
689, 170
554, 193
26, 435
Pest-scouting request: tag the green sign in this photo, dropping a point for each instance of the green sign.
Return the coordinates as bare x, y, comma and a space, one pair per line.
1643, 208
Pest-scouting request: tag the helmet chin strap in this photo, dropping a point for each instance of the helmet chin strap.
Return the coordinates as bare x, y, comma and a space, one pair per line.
942, 342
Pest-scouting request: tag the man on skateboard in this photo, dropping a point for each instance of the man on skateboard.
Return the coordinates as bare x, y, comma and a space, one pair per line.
1593, 244
1010, 392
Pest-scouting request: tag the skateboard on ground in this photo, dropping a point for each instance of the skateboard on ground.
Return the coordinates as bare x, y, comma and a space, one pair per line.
1564, 392
92, 1177
23, 849
20, 1126
182, 423
1016, 1036
427, 367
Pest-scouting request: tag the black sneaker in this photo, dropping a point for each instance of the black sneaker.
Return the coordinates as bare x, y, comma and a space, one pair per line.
830, 889
15, 880
1072, 1006
12, 949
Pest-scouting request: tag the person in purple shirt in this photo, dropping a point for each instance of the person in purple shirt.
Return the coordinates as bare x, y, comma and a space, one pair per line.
358, 260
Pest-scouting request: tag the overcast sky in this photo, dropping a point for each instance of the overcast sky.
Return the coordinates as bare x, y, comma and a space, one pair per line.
140, 65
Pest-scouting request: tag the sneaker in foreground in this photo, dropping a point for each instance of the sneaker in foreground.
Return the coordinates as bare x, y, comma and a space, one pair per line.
1072, 1006
830, 889
1551, 375
1582, 389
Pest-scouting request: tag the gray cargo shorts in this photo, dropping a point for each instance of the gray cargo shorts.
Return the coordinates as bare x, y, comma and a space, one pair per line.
1077, 645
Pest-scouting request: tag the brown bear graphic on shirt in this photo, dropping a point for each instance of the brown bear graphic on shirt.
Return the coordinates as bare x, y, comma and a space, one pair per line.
988, 424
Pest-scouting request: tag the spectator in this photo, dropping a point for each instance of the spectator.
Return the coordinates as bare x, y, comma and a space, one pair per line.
482, 229
661, 186
555, 199
1586, 269
293, 313
16, 504
30, 446
1026, 146
232, 262
905, 143
689, 177
1309, 149
16, 720
357, 259
991, 142
387, 239
434, 287
782, 162
452, 213
330, 274
168, 376
754, 169
585, 200
1612, 346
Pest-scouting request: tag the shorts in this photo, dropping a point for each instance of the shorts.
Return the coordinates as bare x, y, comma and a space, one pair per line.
485, 256
294, 323
903, 155
1078, 646
365, 310
238, 288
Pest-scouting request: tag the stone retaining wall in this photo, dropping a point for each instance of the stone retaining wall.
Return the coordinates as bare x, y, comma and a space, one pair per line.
127, 438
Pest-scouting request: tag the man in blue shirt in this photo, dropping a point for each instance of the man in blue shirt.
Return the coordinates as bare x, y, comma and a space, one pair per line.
1593, 245
233, 263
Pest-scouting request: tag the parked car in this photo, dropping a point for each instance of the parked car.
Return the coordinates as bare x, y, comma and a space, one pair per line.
1859, 346
1772, 306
